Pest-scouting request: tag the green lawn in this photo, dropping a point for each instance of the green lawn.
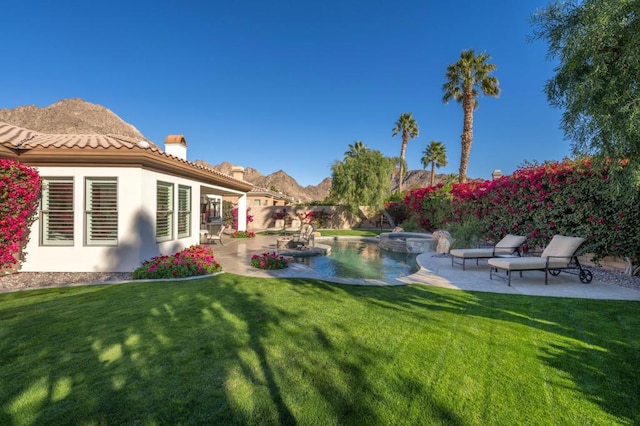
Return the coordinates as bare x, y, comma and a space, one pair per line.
238, 350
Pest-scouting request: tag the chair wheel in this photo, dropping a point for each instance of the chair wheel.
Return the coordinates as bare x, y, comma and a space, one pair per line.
554, 272
585, 276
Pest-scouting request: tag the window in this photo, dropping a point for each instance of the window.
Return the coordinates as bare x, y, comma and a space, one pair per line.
101, 211
56, 224
164, 211
184, 211
256, 203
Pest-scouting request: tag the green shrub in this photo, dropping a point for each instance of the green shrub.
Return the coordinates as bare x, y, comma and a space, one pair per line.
466, 234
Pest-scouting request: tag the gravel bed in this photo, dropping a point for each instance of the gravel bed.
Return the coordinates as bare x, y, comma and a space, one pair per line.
31, 280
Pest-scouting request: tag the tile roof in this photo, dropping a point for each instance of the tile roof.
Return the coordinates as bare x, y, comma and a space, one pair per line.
21, 140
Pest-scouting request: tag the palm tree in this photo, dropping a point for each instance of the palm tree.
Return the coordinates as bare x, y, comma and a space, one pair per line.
357, 148
464, 79
408, 126
435, 154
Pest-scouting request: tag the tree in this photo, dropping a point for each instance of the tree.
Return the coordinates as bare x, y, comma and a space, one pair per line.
465, 79
408, 127
597, 82
358, 147
435, 154
362, 180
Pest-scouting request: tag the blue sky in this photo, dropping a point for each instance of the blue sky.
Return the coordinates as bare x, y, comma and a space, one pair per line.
289, 84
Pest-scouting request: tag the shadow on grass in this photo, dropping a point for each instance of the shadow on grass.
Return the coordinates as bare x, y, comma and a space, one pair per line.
235, 350
597, 347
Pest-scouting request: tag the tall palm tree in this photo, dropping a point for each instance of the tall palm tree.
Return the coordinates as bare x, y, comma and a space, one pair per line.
357, 148
464, 80
435, 154
408, 126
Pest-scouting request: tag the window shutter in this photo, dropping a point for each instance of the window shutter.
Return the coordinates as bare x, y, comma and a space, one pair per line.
164, 211
184, 211
57, 212
101, 211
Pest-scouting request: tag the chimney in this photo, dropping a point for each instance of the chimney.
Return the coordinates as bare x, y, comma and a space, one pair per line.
497, 173
237, 172
176, 145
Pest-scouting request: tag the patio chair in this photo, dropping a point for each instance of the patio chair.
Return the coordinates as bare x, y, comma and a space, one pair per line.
559, 255
277, 228
510, 245
294, 228
304, 239
214, 233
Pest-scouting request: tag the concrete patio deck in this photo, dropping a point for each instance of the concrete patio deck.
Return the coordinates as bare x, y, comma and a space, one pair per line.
435, 270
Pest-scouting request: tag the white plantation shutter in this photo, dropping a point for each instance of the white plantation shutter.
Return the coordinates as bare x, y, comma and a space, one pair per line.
184, 211
101, 211
164, 211
57, 224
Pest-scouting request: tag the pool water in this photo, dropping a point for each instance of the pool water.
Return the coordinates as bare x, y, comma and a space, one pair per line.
361, 259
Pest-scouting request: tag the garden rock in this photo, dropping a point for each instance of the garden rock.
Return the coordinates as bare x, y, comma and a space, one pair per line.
444, 241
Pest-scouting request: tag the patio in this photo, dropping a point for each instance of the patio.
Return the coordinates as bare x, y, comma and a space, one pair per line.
436, 270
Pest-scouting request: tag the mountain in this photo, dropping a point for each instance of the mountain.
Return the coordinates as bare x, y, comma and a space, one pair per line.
76, 116
279, 181
70, 116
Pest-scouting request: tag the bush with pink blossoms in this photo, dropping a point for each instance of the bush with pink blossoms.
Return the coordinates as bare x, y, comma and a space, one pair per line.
190, 262
268, 261
19, 196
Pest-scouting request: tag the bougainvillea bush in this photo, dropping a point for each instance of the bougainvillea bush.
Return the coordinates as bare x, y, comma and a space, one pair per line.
268, 261
430, 206
19, 195
190, 262
572, 197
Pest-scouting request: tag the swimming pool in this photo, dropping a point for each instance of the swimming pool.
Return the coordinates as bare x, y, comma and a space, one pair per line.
361, 259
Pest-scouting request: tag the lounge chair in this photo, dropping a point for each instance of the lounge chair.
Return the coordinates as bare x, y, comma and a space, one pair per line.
294, 228
508, 246
559, 255
304, 238
277, 228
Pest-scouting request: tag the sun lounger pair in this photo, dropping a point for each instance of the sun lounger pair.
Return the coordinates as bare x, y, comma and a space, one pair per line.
559, 255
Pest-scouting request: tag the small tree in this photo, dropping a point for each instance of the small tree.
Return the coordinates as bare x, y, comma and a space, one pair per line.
435, 154
362, 180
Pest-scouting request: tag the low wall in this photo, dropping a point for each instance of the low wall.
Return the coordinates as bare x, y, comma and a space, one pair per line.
336, 217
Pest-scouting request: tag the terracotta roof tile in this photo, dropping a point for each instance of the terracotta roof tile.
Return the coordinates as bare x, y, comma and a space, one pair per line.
19, 138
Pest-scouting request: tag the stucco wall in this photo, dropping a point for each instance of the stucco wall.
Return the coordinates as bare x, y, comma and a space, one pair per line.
136, 224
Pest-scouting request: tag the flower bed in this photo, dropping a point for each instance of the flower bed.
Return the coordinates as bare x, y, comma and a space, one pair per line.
190, 262
268, 261
243, 234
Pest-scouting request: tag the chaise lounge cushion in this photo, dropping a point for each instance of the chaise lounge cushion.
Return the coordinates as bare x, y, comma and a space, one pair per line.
507, 245
561, 246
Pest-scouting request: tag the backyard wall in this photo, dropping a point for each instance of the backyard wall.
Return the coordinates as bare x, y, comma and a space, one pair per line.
337, 217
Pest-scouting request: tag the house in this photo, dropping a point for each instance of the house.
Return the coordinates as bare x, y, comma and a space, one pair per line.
111, 202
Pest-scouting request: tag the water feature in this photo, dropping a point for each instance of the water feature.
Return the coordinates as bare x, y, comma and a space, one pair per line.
361, 259
407, 242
